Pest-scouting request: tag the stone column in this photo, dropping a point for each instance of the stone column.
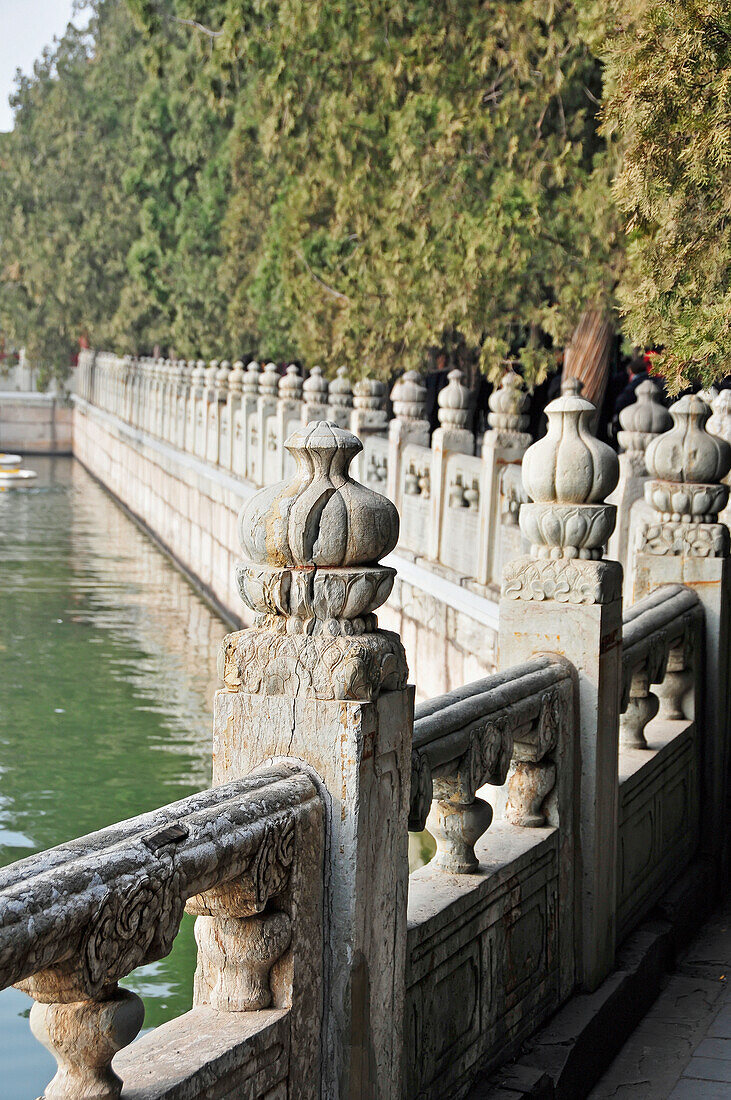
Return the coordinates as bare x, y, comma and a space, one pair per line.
289, 416
503, 447
409, 425
317, 681
565, 599
249, 406
684, 543
368, 418
233, 418
266, 461
453, 436
199, 404
641, 422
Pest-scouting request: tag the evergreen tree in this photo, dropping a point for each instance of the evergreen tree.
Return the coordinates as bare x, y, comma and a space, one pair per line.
669, 100
66, 224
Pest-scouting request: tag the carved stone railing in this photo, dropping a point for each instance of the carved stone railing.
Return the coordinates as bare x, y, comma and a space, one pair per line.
459, 509
76, 919
469, 737
660, 642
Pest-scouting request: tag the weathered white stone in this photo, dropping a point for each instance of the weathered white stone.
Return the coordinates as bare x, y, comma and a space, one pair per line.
317, 681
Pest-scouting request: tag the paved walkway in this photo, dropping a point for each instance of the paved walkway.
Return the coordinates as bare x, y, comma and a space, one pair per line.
682, 1048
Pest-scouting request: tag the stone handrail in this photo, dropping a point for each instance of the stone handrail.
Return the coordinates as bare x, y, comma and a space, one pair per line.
660, 639
77, 918
470, 736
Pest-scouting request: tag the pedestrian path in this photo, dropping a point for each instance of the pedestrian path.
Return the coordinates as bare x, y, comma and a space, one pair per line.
682, 1048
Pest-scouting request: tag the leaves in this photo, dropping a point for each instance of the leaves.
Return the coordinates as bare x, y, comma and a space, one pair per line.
669, 75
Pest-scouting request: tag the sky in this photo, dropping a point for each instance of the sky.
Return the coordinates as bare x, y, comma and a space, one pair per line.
26, 26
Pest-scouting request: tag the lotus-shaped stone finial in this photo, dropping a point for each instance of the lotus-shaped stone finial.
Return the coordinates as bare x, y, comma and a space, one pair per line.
687, 465
570, 465
315, 388
290, 384
567, 475
454, 402
409, 397
687, 452
314, 541
269, 381
507, 404
252, 375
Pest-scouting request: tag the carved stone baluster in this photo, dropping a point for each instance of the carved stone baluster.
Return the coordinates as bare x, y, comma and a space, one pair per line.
535, 773
83, 1035
673, 693
456, 827
238, 943
642, 708
235, 957
528, 788
458, 818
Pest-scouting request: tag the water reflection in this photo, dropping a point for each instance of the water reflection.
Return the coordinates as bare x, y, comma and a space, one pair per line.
107, 674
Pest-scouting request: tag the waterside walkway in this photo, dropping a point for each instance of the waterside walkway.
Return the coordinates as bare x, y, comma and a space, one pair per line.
682, 1048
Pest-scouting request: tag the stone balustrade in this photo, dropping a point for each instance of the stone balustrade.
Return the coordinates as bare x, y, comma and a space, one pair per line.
660, 640
567, 792
468, 738
459, 511
78, 918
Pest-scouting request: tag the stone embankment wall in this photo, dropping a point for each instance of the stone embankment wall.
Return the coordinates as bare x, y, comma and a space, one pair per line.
191, 507
35, 423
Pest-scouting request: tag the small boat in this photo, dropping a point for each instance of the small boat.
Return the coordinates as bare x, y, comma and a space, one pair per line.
11, 472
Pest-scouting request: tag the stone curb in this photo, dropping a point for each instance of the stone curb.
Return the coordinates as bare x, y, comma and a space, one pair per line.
566, 1058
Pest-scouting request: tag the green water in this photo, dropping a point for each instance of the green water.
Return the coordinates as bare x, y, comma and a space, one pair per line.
107, 674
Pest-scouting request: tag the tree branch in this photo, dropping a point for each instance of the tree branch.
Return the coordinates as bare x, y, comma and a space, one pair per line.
199, 27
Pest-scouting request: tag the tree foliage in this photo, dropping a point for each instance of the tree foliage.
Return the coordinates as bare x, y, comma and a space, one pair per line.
669, 98
367, 182
431, 170
66, 224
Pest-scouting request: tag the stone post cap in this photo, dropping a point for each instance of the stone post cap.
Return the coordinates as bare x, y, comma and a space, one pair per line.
251, 379
236, 377
454, 402
568, 474
290, 384
369, 394
340, 390
198, 374
269, 381
409, 397
646, 418
687, 465
719, 423
688, 453
507, 404
315, 387
313, 577
572, 386
320, 517
222, 378
212, 374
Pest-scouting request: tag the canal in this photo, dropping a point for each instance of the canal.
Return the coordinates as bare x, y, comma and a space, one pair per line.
107, 675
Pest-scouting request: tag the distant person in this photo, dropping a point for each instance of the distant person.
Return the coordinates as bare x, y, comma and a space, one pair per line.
637, 372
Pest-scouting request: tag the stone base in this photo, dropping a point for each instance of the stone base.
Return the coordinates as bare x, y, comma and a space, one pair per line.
565, 1059
565, 580
320, 666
